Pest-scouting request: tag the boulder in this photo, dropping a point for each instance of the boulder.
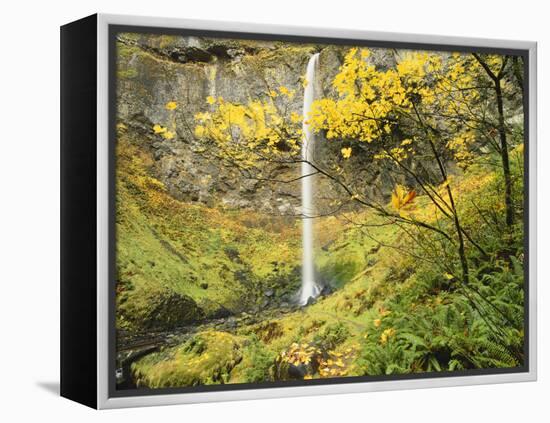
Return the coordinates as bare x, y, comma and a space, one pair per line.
168, 310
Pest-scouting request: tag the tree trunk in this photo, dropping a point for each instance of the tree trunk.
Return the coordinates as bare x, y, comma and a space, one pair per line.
497, 78
504, 156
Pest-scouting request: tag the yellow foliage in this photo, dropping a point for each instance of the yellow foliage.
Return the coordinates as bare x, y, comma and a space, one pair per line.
419, 86
168, 135
519, 149
171, 105
246, 133
386, 335
346, 152
295, 117
200, 131
157, 129
285, 91
401, 197
460, 145
368, 104
299, 354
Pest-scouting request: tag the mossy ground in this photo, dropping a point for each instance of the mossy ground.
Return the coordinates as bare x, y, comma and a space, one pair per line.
390, 311
221, 259
205, 359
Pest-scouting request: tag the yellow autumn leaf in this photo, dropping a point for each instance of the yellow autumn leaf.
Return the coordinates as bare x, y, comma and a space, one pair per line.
387, 334
171, 105
295, 117
401, 196
157, 129
210, 99
200, 131
377, 322
168, 135
346, 152
284, 90
519, 149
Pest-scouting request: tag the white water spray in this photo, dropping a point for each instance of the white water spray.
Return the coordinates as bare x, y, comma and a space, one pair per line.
309, 289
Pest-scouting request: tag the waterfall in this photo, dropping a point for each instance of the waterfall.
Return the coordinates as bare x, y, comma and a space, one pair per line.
309, 286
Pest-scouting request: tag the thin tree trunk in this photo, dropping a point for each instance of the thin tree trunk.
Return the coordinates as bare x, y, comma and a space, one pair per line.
518, 72
497, 78
504, 157
456, 220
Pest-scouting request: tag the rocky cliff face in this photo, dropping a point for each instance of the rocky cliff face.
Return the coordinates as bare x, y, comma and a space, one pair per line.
153, 70
156, 69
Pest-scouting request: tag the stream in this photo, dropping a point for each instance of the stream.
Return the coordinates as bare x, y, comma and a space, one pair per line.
131, 347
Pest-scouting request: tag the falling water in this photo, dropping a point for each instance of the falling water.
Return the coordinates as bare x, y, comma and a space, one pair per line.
309, 286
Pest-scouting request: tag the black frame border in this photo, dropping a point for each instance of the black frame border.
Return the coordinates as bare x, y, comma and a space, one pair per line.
78, 211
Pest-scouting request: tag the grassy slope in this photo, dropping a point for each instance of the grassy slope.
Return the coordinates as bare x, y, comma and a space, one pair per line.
217, 258
391, 312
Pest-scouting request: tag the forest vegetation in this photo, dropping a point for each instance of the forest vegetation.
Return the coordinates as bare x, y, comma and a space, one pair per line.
419, 226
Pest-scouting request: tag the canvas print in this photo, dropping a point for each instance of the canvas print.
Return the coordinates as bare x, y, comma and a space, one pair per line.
294, 211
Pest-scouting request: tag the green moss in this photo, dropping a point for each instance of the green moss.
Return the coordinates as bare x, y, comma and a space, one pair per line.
166, 245
257, 364
206, 358
390, 312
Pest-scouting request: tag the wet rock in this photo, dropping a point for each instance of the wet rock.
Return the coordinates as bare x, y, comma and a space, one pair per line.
168, 310
222, 313
190, 70
310, 301
269, 293
232, 254
232, 323
241, 275
298, 361
326, 290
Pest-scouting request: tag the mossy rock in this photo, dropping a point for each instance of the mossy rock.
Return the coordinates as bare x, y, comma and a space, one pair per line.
299, 361
206, 358
168, 310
